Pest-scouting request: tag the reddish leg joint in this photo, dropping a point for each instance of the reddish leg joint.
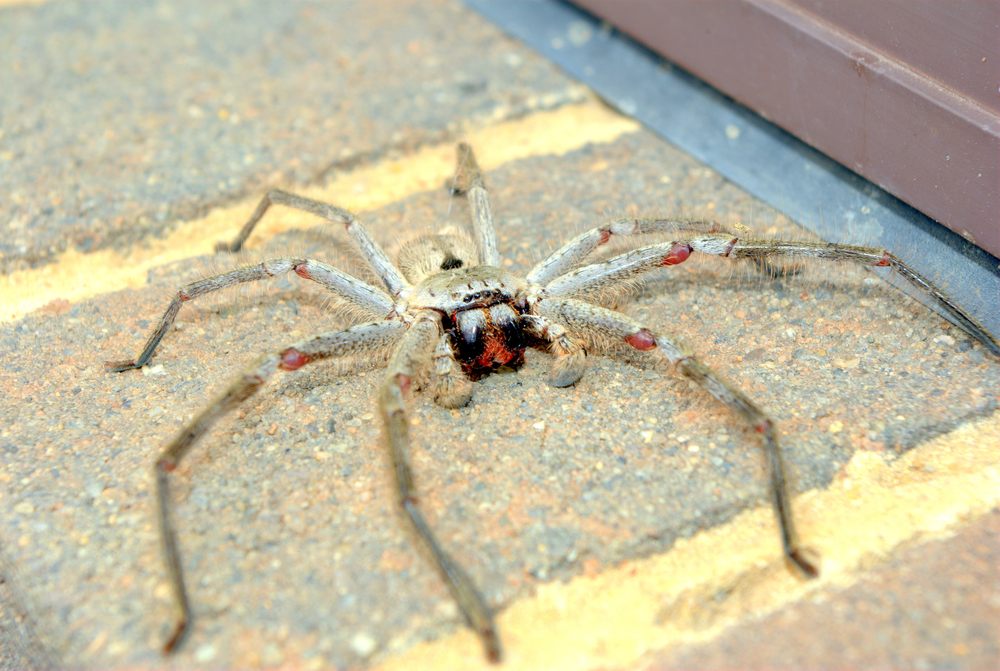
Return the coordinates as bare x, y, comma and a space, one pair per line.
404, 382
884, 261
165, 465
763, 427
679, 253
605, 236
642, 340
292, 359
301, 270
183, 295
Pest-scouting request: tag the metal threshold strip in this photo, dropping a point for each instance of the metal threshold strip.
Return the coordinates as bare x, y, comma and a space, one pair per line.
809, 187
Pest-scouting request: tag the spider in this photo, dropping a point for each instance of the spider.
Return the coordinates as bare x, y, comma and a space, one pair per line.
449, 315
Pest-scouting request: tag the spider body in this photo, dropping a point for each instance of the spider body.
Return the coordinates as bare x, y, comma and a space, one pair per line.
449, 315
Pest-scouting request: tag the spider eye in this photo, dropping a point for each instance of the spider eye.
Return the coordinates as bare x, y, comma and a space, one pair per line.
451, 262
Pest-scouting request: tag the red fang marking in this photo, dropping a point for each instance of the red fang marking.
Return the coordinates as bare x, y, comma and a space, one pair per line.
302, 271
496, 352
503, 357
642, 340
605, 236
884, 261
292, 359
679, 253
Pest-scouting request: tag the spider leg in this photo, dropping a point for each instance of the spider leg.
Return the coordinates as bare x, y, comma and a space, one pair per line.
584, 318
390, 276
371, 299
405, 365
452, 387
574, 252
570, 356
631, 265
361, 338
618, 269
470, 180
868, 257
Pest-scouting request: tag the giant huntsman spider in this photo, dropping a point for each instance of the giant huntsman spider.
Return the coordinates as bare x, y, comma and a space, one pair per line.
449, 314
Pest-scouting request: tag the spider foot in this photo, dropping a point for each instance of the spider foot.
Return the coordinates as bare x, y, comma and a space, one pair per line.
453, 392
566, 370
179, 631
492, 644
119, 366
805, 561
233, 246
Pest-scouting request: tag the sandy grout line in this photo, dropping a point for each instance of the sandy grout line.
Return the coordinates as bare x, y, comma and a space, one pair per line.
618, 617
76, 276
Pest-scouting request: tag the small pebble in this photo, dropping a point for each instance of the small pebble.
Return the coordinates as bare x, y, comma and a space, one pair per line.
363, 644
205, 653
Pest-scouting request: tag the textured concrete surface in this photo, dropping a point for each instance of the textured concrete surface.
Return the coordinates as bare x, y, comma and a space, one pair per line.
293, 551
120, 118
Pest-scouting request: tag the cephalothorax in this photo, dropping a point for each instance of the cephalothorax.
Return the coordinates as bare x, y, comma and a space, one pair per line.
449, 314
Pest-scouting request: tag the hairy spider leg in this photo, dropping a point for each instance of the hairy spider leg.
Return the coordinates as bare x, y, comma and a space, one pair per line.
709, 240
394, 281
576, 251
470, 180
360, 338
405, 364
584, 318
372, 300
869, 257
